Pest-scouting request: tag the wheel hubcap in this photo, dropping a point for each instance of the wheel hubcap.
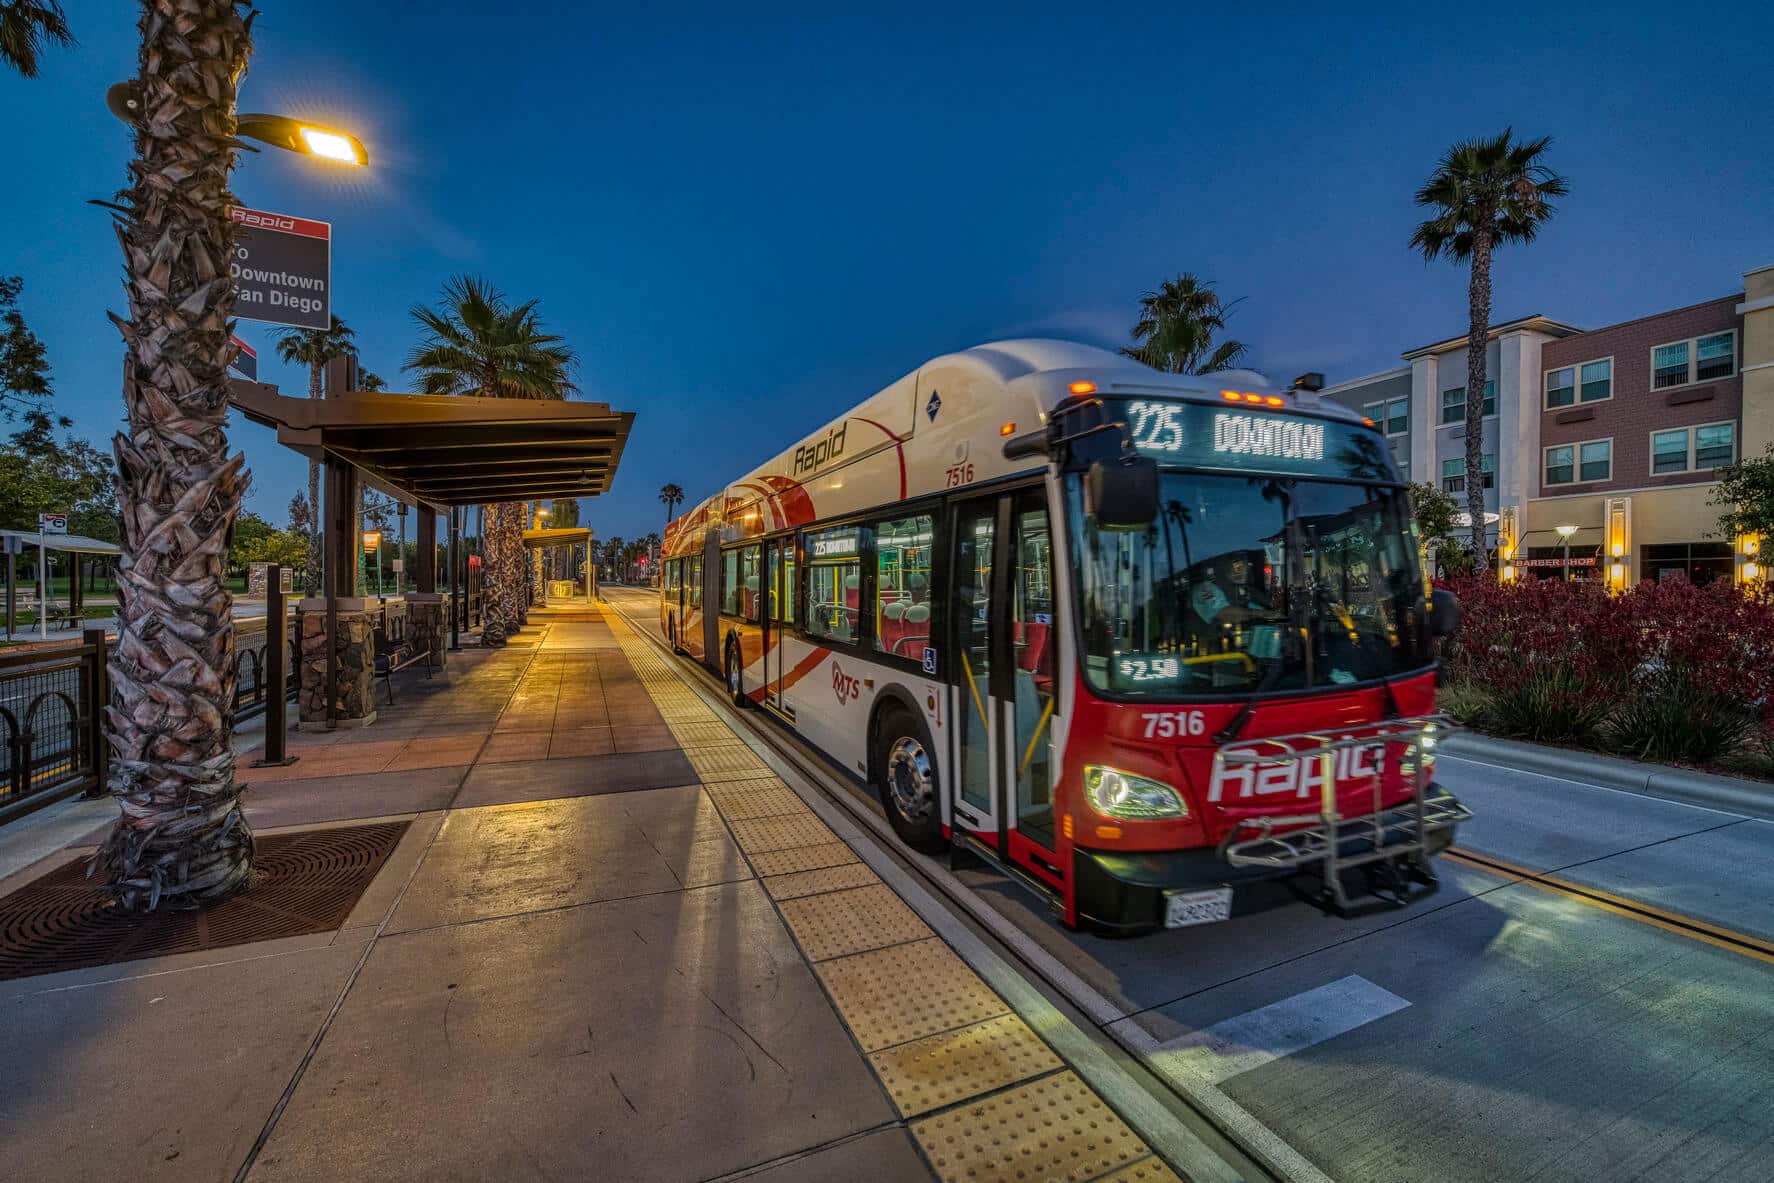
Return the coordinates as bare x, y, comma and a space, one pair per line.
909, 781
733, 670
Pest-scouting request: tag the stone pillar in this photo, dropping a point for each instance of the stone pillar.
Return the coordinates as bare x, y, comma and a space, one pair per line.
425, 625
355, 691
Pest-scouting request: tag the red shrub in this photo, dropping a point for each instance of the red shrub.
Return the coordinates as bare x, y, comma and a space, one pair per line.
1558, 660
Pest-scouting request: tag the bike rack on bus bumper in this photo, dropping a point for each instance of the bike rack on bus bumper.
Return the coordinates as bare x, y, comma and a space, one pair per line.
1381, 841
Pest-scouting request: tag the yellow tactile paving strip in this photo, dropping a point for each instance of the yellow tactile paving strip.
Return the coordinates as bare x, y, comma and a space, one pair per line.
951, 1066
1052, 1129
984, 1096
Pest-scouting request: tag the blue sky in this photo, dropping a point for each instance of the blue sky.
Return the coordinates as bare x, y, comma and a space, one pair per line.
746, 223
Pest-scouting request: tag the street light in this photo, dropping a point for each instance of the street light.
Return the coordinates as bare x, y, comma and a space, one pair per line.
1565, 532
280, 131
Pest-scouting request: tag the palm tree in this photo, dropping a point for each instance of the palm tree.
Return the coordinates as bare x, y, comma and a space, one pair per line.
1485, 193
180, 838
1177, 325
314, 348
650, 548
25, 25
672, 496
369, 380
477, 342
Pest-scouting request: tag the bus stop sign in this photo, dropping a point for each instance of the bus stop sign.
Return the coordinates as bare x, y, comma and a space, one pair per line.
282, 268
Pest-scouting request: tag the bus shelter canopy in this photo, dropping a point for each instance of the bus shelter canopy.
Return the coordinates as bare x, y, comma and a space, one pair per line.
556, 536
448, 450
75, 543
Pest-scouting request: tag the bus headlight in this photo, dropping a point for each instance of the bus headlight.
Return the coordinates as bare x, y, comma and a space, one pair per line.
1114, 793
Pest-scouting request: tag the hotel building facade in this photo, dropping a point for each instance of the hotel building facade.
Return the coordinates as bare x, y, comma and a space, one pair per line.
1614, 434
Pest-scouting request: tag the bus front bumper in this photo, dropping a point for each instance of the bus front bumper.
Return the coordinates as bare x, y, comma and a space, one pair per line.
1127, 891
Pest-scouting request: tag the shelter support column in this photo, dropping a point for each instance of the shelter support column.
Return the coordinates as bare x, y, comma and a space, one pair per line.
337, 646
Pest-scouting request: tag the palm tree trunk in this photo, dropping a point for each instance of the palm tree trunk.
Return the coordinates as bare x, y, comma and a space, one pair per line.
538, 591
493, 629
1478, 299
516, 568
180, 838
311, 578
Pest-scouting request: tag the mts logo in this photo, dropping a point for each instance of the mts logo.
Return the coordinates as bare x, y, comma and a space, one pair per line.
809, 457
1296, 778
847, 688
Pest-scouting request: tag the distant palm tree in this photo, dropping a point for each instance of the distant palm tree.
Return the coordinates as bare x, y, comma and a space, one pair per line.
479, 343
180, 839
314, 348
1175, 331
1485, 193
25, 26
673, 497
370, 381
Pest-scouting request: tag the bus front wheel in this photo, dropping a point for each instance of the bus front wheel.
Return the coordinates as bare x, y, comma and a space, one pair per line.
906, 766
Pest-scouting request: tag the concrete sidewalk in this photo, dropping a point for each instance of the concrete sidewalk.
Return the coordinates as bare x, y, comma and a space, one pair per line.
610, 945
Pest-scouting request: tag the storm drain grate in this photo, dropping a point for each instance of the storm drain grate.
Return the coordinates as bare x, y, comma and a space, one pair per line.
303, 883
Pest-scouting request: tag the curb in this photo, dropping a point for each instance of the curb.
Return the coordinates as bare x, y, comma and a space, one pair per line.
1709, 790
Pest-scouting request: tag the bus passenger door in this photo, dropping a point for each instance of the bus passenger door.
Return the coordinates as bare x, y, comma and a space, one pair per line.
1006, 646
779, 614
972, 639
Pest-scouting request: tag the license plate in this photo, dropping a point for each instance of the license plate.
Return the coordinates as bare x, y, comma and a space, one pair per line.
1183, 908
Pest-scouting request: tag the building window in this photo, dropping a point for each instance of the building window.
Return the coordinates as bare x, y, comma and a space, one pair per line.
1392, 417
1669, 451
1696, 562
1598, 380
1715, 356
1669, 365
1715, 445
1595, 461
1559, 465
1570, 463
904, 549
1453, 473
1453, 402
1712, 356
1561, 387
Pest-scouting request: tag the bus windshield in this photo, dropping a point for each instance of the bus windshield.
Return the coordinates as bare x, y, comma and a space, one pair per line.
1250, 584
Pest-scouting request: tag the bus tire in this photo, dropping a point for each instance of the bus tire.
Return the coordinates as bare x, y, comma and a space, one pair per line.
733, 669
906, 779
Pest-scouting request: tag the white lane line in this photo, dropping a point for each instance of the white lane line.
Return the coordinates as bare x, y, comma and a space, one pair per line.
1236, 1045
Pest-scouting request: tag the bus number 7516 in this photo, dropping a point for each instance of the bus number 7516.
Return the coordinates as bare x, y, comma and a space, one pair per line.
1174, 724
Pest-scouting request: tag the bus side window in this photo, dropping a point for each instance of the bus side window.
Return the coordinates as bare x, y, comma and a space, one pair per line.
834, 583
903, 549
695, 577
749, 585
731, 599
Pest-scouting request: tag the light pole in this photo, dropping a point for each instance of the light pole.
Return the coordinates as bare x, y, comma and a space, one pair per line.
1565, 533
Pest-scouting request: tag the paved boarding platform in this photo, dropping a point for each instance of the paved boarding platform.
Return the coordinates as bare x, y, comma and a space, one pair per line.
610, 944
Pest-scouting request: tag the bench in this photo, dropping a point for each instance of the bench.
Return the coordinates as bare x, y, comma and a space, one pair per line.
395, 656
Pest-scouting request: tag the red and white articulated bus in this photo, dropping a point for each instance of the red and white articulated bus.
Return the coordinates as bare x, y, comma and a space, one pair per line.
1136, 638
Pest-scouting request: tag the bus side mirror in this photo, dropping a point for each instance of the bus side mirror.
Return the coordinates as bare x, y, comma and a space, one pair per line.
1123, 493
1444, 612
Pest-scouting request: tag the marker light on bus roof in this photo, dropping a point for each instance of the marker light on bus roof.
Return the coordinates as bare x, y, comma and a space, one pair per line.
1231, 396
1253, 398
1368, 421
1275, 400
1082, 388
1007, 429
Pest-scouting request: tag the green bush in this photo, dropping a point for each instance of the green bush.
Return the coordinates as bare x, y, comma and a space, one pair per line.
1549, 704
1671, 718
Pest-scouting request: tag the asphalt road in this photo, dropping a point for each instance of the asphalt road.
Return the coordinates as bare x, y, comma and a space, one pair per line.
1599, 1022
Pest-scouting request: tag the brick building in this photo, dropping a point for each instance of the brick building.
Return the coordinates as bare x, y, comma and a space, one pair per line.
1614, 434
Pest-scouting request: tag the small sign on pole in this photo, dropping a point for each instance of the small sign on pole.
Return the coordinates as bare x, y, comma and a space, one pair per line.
52, 523
282, 269
246, 359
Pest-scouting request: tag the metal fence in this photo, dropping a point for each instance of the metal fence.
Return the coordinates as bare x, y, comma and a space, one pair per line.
252, 677
50, 702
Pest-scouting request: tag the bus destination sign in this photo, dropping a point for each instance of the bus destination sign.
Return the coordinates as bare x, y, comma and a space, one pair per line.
1204, 435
